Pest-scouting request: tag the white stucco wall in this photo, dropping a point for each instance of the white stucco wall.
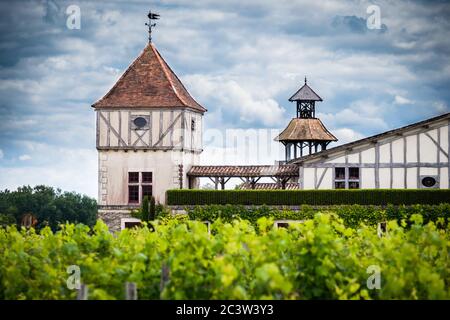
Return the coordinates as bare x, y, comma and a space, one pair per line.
124, 149
115, 165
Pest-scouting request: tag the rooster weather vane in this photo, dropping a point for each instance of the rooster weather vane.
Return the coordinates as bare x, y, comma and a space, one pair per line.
151, 16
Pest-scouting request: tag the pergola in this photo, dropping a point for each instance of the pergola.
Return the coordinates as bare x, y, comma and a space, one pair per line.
249, 175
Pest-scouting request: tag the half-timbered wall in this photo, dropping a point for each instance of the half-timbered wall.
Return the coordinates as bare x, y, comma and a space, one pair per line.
167, 129
394, 161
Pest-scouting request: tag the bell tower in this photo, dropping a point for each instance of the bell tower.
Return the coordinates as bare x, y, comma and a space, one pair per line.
305, 134
149, 134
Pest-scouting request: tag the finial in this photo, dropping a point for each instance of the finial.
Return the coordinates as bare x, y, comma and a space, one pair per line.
305, 80
151, 16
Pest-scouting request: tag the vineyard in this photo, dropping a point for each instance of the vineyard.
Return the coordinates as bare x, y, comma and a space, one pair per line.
175, 258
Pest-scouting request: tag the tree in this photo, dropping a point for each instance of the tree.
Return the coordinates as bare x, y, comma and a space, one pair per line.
152, 213
144, 209
49, 206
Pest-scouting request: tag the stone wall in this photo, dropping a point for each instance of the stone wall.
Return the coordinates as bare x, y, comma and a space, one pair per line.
112, 218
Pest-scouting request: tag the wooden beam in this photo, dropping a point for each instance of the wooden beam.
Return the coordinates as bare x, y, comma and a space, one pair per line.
391, 171
161, 137
437, 144
120, 126
418, 159
139, 137
448, 159
377, 166
321, 178
405, 161
381, 165
111, 128
108, 134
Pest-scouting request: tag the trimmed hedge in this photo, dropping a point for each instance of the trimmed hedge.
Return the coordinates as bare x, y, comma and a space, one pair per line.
308, 197
352, 215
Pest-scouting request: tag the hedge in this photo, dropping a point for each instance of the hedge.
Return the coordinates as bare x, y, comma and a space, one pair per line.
352, 215
308, 197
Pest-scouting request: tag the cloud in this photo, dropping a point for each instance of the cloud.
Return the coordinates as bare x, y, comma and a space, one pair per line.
355, 24
65, 168
24, 157
239, 105
242, 60
1, 154
402, 100
346, 135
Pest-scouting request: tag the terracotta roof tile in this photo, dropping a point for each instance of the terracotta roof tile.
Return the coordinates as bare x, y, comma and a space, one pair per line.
148, 83
244, 171
269, 186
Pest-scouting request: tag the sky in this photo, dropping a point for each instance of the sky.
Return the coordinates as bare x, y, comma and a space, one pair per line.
242, 60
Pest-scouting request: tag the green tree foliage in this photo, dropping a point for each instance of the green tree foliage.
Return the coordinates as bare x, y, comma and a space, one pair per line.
321, 258
152, 212
49, 206
144, 209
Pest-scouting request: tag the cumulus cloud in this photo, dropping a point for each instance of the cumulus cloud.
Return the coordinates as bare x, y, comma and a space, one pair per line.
65, 168
24, 157
402, 100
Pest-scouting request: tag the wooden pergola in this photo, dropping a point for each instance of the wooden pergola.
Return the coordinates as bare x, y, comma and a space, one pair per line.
249, 175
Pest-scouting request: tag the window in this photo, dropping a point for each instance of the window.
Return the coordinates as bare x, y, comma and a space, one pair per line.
346, 178
147, 177
147, 191
140, 184
140, 122
129, 223
133, 194
133, 177
340, 174
193, 124
339, 185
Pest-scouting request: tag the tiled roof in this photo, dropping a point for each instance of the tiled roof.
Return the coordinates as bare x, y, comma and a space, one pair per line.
148, 83
268, 186
305, 93
243, 171
301, 129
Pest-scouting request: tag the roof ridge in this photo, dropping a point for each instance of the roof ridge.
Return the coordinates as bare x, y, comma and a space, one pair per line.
373, 137
130, 67
163, 65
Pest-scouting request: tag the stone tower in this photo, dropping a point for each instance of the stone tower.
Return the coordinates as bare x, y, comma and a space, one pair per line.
149, 134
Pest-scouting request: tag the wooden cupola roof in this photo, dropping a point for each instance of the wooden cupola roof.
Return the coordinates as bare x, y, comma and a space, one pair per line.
149, 83
305, 93
305, 130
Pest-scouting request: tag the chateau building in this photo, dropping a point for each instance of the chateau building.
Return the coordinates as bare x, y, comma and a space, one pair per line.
149, 134
149, 139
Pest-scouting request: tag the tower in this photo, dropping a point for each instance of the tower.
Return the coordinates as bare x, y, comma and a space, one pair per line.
305, 133
149, 134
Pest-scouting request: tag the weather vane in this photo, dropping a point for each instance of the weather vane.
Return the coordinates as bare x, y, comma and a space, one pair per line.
151, 16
